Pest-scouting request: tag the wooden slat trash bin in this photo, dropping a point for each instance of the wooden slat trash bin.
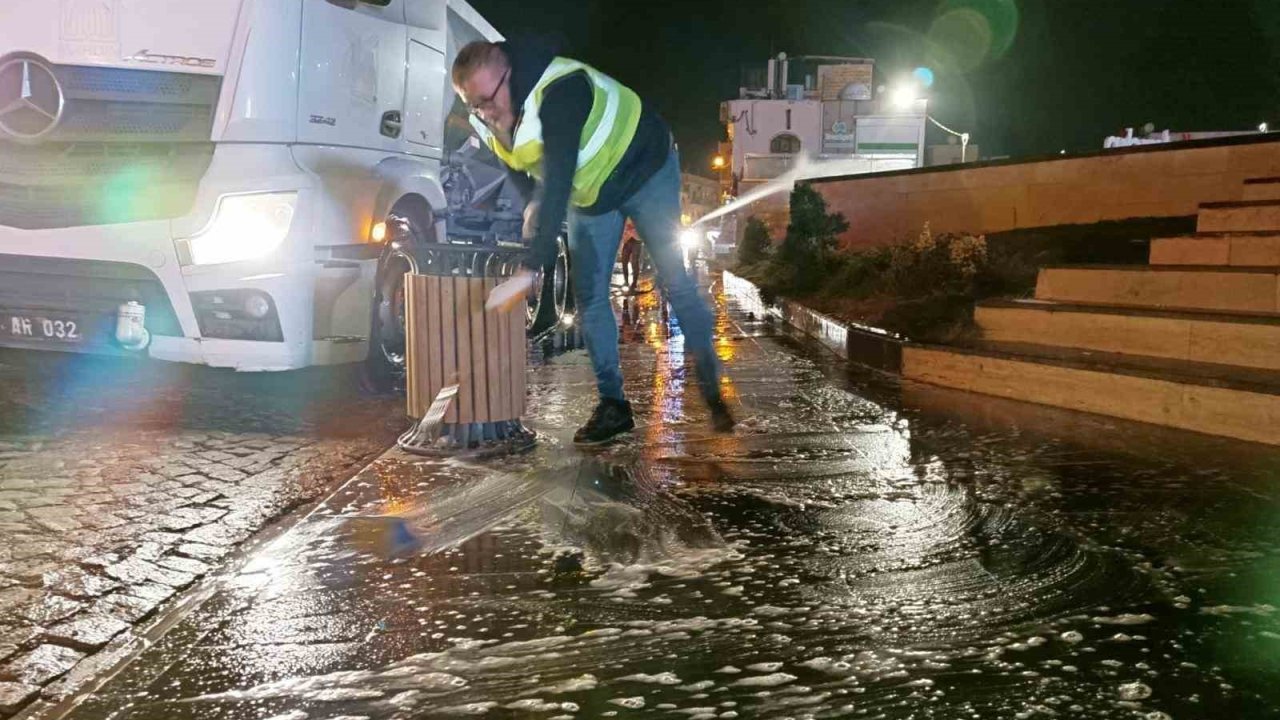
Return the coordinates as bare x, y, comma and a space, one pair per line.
451, 338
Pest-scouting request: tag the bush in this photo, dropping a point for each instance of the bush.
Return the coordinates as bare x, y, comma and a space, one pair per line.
802, 262
934, 318
857, 275
806, 252
1009, 271
925, 287
935, 264
756, 244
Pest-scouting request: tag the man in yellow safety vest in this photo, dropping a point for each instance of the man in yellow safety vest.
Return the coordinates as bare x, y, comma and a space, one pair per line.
580, 143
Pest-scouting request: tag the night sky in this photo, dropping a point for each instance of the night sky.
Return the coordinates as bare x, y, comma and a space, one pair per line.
1024, 77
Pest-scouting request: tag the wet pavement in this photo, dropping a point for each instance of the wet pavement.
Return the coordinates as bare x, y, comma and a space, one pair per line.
856, 549
124, 482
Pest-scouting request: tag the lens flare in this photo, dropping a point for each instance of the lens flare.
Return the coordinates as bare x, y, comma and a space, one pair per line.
127, 193
961, 38
967, 33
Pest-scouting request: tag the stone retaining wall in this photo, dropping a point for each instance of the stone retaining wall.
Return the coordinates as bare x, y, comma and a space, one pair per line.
1152, 181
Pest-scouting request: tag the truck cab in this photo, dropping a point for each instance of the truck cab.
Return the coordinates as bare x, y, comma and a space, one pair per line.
213, 182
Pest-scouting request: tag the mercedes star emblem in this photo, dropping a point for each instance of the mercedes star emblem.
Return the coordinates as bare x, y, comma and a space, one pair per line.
31, 98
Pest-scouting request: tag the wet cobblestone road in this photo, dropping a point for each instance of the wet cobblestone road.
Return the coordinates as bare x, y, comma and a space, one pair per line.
856, 549
121, 483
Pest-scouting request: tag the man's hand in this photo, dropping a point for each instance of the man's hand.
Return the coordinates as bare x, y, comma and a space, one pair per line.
530, 220
507, 295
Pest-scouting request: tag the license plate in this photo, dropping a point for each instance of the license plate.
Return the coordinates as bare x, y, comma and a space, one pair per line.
39, 327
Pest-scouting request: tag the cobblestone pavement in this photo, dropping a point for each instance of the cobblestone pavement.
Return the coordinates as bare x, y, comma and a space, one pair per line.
121, 483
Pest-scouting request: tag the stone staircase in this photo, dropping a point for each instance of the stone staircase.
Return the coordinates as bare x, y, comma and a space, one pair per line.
1191, 340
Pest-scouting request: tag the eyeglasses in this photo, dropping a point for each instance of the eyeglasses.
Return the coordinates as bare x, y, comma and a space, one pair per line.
480, 106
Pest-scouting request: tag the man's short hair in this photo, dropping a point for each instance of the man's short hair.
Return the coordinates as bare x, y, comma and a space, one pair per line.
475, 55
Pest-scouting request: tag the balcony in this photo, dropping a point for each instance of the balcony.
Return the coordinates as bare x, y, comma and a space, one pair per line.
767, 166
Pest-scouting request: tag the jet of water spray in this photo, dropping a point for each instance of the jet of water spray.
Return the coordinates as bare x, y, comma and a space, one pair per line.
805, 168
785, 182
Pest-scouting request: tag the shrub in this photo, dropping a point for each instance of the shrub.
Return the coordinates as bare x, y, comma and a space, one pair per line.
924, 287
802, 262
935, 264
803, 258
1009, 271
934, 318
756, 244
857, 275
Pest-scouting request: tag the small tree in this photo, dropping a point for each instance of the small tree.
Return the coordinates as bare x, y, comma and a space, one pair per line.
809, 246
756, 243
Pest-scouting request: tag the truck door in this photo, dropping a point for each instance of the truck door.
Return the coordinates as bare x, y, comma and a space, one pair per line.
351, 85
427, 74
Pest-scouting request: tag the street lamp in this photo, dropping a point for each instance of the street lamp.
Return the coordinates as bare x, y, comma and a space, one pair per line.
908, 92
903, 96
720, 164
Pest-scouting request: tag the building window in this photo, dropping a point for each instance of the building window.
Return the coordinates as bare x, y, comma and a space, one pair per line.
788, 119
785, 143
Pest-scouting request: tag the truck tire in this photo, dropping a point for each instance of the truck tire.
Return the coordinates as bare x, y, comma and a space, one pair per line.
556, 296
407, 229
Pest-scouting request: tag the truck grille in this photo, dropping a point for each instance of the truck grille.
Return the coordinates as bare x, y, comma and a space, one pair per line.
132, 146
89, 287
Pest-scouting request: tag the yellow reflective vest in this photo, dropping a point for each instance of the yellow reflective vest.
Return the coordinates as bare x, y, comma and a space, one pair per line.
615, 113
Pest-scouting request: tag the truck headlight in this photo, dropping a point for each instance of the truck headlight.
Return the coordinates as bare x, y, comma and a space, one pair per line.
244, 227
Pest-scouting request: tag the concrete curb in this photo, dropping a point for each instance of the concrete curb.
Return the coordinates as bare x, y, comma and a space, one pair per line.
868, 346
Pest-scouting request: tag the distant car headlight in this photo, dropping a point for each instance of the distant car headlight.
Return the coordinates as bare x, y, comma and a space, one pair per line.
244, 227
690, 239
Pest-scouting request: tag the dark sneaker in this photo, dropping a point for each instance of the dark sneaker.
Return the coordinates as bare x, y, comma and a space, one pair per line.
721, 419
610, 418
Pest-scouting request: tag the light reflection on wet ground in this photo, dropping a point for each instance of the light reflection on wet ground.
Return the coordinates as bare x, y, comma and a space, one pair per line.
856, 549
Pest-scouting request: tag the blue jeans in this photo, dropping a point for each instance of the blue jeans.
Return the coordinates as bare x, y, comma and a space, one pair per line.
593, 246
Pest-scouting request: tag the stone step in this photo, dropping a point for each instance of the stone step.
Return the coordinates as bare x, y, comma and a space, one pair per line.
1210, 399
1238, 249
1174, 287
1252, 216
1251, 341
1267, 188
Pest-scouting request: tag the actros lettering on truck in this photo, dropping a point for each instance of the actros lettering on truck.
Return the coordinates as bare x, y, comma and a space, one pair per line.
146, 56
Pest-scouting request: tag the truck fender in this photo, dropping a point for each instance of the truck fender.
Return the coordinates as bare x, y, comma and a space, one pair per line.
403, 177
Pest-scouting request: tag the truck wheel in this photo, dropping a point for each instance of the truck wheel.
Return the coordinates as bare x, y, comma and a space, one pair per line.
556, 295
385, 364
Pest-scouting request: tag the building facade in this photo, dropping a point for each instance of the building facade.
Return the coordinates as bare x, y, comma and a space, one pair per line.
832, 112
827, 109
698, 196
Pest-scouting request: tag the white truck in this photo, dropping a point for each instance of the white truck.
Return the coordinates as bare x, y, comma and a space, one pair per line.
238, 178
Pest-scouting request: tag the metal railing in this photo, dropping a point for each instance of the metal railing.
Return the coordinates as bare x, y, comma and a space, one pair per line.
448, 259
